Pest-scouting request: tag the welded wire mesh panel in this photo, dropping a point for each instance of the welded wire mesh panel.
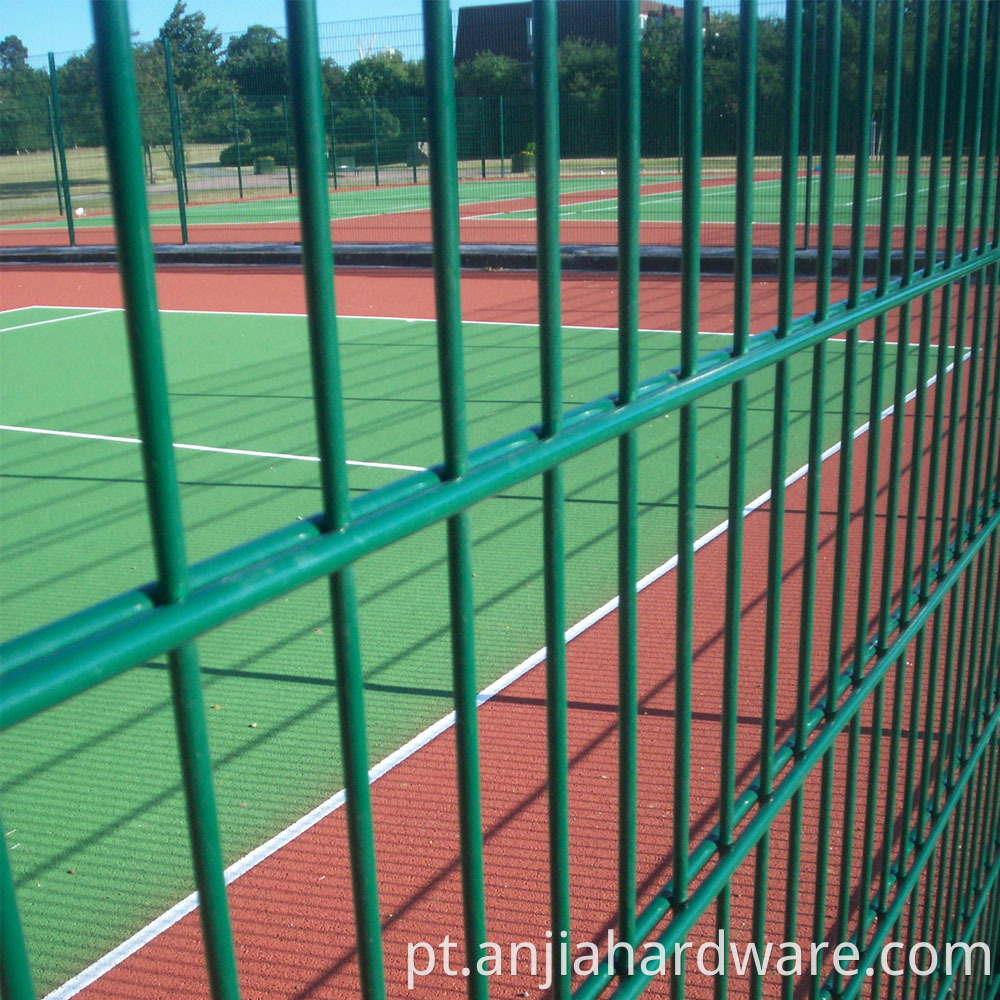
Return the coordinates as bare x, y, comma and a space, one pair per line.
833, 764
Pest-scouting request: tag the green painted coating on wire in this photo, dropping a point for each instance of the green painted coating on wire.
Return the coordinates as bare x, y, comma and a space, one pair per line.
746, 96
119, 102
15, 971
845, 472
553, 512
317, 259
628, 461
691, 87
443, 173
776, 528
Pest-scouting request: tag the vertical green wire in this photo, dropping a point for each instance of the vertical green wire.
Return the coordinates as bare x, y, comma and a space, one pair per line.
940, 63
119, 101
57, 112
893, 491
628, 459
779, 444
15, 971
317, 258
742, 279
970, 119
931, 910
872, 469
972, 621
831, 55
443, 173
846, 465
550, 330
916, 104
691, 88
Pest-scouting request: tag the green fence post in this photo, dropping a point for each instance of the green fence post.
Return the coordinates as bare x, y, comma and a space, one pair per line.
236, 140
175, 139
503, 166
333, 145
375, 139
55, 152
288, 144
482, 138
184, 169
413, 134
54, 82
680, 137
810, 113
119, 101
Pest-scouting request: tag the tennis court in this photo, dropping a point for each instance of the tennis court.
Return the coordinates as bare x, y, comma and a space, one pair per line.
497, 210
105, 763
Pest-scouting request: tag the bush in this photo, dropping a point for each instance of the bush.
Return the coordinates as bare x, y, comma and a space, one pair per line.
249, 153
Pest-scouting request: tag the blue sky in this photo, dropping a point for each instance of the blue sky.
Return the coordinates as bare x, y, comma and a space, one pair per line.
64, 25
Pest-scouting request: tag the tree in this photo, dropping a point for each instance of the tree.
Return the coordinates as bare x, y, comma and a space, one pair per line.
193, 47
257, 62
13, 53
384, 75
489, 73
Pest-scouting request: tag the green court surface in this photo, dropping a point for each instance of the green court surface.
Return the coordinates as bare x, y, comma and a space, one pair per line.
488, 199
91, 792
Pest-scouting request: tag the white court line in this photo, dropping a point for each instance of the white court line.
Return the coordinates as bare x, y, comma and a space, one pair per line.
207, 447
57, 319
838, 339
179, 910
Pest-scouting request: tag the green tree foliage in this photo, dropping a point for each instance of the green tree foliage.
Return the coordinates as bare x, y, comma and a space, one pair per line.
490, 74
384, 75
194, 48
23, 115
257, 62
587, 82
13, 53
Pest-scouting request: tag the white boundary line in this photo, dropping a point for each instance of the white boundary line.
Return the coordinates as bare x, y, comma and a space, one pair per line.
179, 910
56, 319
206, 447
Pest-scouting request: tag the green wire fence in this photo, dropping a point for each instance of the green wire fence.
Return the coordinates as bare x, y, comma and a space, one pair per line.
897, 703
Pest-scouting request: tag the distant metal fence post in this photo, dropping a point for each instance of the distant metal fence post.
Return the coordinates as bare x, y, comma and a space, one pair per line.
288, 144
503, 168
482, 138
54, 82
175, 139
413, 135
810, 114
333, 146
55, 152
375, 139
236, 140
